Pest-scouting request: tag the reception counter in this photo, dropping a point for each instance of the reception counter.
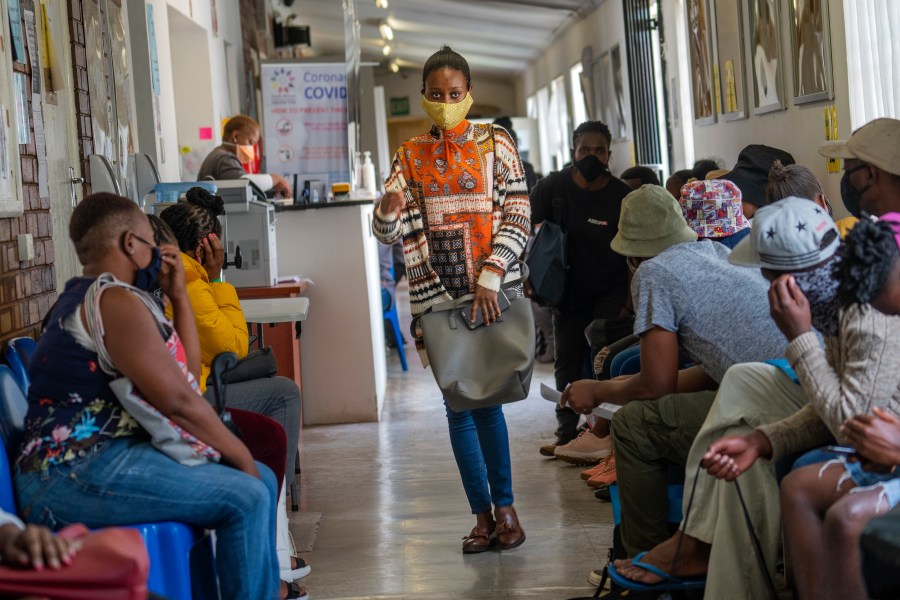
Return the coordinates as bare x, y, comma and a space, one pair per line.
343, 368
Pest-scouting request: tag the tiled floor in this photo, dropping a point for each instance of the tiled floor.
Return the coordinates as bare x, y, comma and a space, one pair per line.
395, 511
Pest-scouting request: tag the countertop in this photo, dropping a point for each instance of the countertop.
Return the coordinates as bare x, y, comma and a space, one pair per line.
324, 205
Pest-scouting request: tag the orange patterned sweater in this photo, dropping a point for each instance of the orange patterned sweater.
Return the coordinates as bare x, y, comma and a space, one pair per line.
467, 214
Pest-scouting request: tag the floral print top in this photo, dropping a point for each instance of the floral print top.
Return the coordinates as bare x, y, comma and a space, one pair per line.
71, 408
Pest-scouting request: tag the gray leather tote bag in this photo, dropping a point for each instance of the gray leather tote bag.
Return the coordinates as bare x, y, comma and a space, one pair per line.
480, 366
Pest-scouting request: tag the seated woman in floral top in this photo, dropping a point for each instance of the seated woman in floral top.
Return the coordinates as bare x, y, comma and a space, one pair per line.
84, 459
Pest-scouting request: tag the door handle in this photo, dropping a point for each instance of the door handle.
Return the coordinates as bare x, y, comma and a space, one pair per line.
73, 181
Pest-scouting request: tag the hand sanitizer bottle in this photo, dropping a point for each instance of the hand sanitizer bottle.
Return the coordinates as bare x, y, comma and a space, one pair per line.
368, 173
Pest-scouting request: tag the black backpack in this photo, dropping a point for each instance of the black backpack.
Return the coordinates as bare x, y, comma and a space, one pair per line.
547, 261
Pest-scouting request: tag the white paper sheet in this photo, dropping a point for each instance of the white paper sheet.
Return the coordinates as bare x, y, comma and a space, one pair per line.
605, 410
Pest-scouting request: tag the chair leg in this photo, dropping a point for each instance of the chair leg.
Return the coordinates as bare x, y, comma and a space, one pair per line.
295, 496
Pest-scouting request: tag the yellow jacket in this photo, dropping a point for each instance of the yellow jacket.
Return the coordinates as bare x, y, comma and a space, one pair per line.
220, 321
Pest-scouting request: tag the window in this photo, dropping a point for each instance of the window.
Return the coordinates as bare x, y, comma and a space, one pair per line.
579, 106
560, 129
540, 111
873, 59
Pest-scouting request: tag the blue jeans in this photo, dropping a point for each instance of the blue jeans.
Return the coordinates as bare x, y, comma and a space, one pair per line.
129, 481
481, 447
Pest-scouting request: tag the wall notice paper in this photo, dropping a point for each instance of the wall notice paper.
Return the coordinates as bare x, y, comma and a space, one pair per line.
304, 108
605, 410
15, 26
5, 173
32, 50
20, 87
40, 146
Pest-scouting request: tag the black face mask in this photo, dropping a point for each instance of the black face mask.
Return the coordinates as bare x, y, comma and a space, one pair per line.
145, 279
591, 168
849, 194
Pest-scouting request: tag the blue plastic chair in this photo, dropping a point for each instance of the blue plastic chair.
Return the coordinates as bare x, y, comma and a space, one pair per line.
18, 354
175, 549
391, 316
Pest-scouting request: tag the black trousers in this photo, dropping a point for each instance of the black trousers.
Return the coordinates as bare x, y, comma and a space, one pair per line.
571, 362
573, 354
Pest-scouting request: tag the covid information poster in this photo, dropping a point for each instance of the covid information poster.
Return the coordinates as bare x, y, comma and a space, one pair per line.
304, 109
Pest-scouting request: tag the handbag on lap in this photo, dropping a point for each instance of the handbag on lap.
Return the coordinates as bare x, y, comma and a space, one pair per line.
477, 366
112, 564
166, 436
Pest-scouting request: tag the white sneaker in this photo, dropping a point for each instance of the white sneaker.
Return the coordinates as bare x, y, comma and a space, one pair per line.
595, 577
586, 449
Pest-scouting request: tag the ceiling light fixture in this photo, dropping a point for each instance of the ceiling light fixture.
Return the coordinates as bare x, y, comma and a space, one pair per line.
386, 50
381, 4
386, 31
393, 66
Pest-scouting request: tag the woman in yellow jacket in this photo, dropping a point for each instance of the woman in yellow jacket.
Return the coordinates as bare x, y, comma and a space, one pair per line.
220, 321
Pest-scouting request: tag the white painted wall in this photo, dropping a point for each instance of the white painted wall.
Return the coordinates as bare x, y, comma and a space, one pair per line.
485, 90
197, 66
602, 29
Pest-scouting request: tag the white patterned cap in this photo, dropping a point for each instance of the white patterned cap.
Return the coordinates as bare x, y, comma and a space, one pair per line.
788, 235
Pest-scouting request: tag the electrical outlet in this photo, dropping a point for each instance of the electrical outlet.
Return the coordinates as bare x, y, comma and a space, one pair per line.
26, 247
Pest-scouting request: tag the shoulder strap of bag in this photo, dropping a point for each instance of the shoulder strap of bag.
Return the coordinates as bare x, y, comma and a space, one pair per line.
94, 320
558, 199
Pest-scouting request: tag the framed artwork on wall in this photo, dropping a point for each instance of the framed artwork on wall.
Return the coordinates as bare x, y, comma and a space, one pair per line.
618, 123
699, 38
811, 51
766, 56
728, 33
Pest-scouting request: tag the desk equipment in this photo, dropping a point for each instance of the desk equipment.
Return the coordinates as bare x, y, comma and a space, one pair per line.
248, 231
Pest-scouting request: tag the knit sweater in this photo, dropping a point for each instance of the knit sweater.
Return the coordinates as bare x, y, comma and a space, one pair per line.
467, 214
856, 370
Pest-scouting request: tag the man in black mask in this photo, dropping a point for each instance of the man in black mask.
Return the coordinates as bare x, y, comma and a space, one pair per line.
871, 181
585, 200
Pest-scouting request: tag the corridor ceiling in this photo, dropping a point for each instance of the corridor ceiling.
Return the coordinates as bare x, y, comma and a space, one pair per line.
496, 36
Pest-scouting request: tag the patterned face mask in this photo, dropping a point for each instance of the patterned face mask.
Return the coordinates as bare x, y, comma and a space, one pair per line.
447, 116
820, 288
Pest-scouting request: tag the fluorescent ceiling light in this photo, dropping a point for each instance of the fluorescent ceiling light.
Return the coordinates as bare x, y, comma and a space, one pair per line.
381, 4
386, 50
386, 31
394, 67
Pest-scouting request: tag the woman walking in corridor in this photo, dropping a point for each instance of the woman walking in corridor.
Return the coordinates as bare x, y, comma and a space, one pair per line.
457, 197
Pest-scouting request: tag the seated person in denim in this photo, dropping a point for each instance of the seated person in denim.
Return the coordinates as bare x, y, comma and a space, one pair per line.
221, 327
826, 507
85, 459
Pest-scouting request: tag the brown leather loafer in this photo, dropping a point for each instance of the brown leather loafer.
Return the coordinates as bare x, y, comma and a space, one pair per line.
482, 535
509, 532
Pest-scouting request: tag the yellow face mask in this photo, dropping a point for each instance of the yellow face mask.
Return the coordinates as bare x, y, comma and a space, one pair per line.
447, 116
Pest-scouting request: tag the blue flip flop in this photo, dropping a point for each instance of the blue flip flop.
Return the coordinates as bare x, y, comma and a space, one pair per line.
669, 582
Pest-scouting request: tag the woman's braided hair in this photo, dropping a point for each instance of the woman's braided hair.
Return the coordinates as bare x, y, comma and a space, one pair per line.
195, 219
866, 259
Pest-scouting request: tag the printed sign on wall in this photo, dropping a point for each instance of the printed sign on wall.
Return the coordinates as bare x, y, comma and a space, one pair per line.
305, 124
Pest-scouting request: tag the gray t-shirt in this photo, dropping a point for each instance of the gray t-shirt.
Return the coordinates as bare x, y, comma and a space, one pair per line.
720, 311
221, 164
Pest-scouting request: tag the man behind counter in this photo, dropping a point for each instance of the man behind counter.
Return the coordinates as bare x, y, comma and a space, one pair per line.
240, 136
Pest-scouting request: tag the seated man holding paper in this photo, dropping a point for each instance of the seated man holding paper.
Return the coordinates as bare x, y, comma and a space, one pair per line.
688, 297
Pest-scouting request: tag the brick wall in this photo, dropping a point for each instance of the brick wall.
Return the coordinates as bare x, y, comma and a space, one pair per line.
82, 95
27, 288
